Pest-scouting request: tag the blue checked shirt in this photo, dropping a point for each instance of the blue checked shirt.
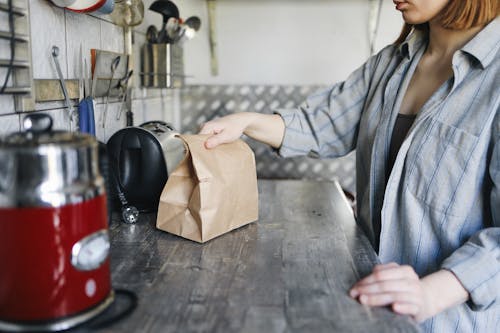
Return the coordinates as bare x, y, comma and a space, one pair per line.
441, 206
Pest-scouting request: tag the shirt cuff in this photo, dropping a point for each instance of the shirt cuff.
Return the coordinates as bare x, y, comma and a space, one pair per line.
477, 269
290, 142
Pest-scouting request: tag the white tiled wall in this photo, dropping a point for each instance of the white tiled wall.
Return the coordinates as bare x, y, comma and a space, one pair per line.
6, 104
9, 123
51, 25
48, 28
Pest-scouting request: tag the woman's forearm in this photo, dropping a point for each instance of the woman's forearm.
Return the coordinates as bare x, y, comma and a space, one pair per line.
266, 128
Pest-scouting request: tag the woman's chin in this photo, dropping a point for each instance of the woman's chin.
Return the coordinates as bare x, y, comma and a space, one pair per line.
410, 19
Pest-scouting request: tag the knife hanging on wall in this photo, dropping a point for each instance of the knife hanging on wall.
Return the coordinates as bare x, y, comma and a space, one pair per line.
86, 106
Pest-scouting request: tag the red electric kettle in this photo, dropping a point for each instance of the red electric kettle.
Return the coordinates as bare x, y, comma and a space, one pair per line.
54, 243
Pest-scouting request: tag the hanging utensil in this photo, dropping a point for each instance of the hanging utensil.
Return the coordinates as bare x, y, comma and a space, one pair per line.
188, 30
83, 109
81, 79
123, 85
152, 34
172, 28
167, 9
86, 106
114, 65
194, 22
55, 54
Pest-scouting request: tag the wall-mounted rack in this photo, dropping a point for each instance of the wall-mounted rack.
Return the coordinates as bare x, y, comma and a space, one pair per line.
107, 84
16, 76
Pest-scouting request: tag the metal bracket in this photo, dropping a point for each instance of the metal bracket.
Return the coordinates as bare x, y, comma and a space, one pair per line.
50, 90
101, 69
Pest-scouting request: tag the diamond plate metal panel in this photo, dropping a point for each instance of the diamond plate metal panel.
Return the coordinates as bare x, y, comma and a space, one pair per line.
202, 103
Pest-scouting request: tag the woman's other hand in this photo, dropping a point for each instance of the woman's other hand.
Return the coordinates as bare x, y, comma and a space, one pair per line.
400, 288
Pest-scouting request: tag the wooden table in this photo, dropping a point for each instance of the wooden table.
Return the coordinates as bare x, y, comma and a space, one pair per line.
288, 272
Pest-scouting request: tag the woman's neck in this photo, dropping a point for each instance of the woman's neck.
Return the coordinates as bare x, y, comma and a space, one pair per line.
444, 42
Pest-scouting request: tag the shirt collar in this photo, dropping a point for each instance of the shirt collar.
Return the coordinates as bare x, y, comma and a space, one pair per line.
412, 43
484, 46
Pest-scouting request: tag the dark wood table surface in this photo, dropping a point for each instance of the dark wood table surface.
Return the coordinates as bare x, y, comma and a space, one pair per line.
288, 272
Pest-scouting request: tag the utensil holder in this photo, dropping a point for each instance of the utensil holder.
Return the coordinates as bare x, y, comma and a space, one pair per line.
162, 66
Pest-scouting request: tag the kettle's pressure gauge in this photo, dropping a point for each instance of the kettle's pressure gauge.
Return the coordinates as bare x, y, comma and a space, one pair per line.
90, 252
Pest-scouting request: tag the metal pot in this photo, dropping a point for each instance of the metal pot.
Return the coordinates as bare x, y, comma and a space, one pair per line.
54, 243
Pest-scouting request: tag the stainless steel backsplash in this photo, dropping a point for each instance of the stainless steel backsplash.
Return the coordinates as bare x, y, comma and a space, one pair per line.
200, 103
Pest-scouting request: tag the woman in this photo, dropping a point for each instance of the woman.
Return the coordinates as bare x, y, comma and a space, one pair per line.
423, 117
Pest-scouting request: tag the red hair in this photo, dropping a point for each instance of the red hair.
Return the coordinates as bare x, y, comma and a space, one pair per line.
460, 15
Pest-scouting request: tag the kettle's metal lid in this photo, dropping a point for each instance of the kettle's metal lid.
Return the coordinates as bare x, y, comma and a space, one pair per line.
45, 168
39, 132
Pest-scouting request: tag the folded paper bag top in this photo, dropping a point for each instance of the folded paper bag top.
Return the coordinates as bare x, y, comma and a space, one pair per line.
211, 192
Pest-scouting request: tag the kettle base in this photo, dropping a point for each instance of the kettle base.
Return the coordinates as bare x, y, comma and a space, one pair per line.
58, 324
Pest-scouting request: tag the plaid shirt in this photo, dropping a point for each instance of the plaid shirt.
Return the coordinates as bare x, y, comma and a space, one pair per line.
441, 206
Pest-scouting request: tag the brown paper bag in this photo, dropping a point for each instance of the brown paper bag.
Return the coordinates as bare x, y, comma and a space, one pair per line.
210, 192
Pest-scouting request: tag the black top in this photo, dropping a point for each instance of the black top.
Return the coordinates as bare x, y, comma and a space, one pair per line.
401, 127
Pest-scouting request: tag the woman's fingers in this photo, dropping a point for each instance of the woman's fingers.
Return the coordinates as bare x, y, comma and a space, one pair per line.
384, 299
386, 286
382, 267
406, 308
386, 278
209, 128
217, 134
389, 273
397, 286
223, 130
215, 140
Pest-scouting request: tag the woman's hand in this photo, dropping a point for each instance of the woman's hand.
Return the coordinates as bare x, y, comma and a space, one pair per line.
400, 288
397, 286
226, 129
266, 128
